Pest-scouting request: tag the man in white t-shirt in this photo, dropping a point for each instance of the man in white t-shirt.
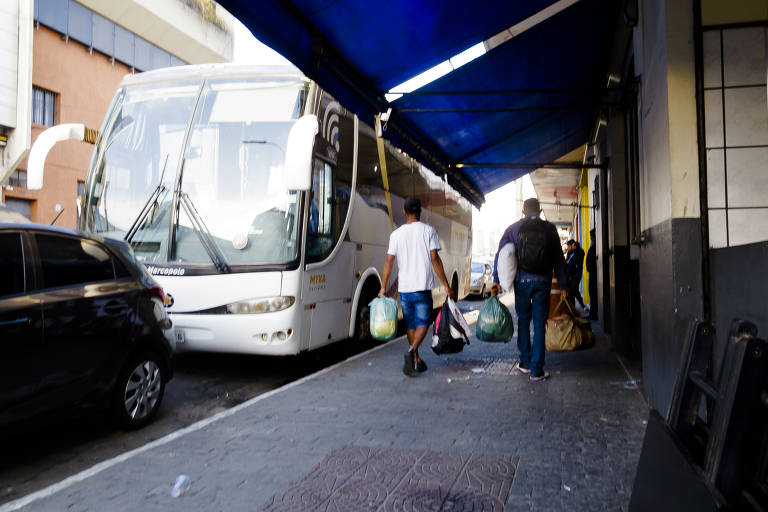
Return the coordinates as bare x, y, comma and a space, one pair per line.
415, 246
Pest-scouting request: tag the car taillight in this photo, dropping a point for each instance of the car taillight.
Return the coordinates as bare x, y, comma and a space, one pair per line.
158, 292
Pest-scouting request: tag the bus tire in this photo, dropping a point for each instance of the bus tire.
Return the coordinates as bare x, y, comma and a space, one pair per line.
363, 314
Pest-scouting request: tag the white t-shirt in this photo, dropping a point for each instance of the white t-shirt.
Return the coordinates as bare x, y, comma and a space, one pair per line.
410, 245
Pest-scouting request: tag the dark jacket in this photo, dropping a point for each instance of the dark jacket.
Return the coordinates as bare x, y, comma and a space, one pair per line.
510, 236
574, 262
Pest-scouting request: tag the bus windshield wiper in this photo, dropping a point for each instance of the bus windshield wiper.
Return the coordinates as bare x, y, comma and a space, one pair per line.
204, 234
151, 203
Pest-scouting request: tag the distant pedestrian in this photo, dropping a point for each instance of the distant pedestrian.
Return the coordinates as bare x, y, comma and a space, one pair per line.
574, 263
538, 251
415, 245
592, 274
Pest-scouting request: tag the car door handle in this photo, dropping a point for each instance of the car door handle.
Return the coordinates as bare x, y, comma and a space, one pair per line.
25, 320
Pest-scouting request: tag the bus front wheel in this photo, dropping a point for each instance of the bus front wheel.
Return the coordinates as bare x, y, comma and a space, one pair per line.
363, 316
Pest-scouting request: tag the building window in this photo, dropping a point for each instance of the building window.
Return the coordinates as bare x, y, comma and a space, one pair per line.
18, 179
736, 118
43, 106
79, 23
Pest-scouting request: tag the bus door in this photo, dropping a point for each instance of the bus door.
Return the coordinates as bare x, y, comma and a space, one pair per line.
326, 288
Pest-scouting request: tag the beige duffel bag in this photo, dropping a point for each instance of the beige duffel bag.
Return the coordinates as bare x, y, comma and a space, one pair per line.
567, 332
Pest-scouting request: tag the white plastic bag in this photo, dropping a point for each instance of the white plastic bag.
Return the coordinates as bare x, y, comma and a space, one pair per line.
460, 318
383, 318
506, 266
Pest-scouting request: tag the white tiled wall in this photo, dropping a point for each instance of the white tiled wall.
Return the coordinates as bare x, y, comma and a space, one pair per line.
736, 122
744, 56
746, 117
748, 184
713, 117
716, 178
717, 228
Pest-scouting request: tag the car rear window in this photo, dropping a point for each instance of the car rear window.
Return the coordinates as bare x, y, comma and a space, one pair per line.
69, 261
11, 264
120, 269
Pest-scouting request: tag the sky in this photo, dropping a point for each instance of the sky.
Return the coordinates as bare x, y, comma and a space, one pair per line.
502, 207
249, 50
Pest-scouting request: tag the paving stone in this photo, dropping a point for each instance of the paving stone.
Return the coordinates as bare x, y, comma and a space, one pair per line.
353, 478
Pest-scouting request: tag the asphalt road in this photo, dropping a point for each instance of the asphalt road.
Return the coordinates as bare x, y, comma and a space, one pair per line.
46, 450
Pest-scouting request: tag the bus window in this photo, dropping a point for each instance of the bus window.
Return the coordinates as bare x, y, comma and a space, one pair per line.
234, 208
368, 174
342, 175
399, 171
319, 236
370, 185
429, 188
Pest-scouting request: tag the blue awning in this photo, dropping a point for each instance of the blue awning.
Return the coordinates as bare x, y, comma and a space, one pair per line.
530, 100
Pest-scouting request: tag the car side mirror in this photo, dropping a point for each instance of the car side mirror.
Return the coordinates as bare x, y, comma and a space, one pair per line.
298, 153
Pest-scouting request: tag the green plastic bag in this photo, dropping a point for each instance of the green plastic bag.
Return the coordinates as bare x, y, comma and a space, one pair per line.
383, 318
494, 323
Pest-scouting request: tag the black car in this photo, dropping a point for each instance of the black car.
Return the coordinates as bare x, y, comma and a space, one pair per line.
81, 321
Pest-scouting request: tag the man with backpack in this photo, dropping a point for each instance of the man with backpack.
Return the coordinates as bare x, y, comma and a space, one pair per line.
538, 251
415, 245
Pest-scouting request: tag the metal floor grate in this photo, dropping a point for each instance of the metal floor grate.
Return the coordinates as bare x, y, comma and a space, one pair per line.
490, 366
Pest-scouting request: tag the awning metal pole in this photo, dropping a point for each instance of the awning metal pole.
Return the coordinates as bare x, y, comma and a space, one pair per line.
562, 90
530, 165
493, 110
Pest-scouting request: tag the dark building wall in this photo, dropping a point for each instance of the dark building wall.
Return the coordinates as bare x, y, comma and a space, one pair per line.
739, 289
671, 299
622, 270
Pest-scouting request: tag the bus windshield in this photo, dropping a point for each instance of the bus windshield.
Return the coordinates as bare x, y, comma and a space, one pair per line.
192, 174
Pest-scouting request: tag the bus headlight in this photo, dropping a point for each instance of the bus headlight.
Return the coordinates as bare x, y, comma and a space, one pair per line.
256, 306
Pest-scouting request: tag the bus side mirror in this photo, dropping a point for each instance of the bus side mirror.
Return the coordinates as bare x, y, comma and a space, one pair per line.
43, 144
298, 153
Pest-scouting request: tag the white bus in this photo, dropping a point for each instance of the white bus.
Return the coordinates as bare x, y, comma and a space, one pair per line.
260, 250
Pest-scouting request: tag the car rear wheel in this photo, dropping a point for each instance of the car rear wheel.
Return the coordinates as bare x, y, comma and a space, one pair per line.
139, 390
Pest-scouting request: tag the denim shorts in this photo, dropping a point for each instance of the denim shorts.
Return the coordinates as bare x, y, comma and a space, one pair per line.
417, 308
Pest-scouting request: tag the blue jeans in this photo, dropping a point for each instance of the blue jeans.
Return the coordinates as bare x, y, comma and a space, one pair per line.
417, 308
532, 301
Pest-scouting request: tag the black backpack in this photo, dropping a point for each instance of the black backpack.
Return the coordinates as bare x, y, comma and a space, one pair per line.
533, 247
443, 341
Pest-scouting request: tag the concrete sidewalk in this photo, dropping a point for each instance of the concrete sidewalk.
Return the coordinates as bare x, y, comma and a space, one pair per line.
466, 435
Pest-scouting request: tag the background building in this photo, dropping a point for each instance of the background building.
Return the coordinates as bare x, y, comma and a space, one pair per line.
503, 207
70, 57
